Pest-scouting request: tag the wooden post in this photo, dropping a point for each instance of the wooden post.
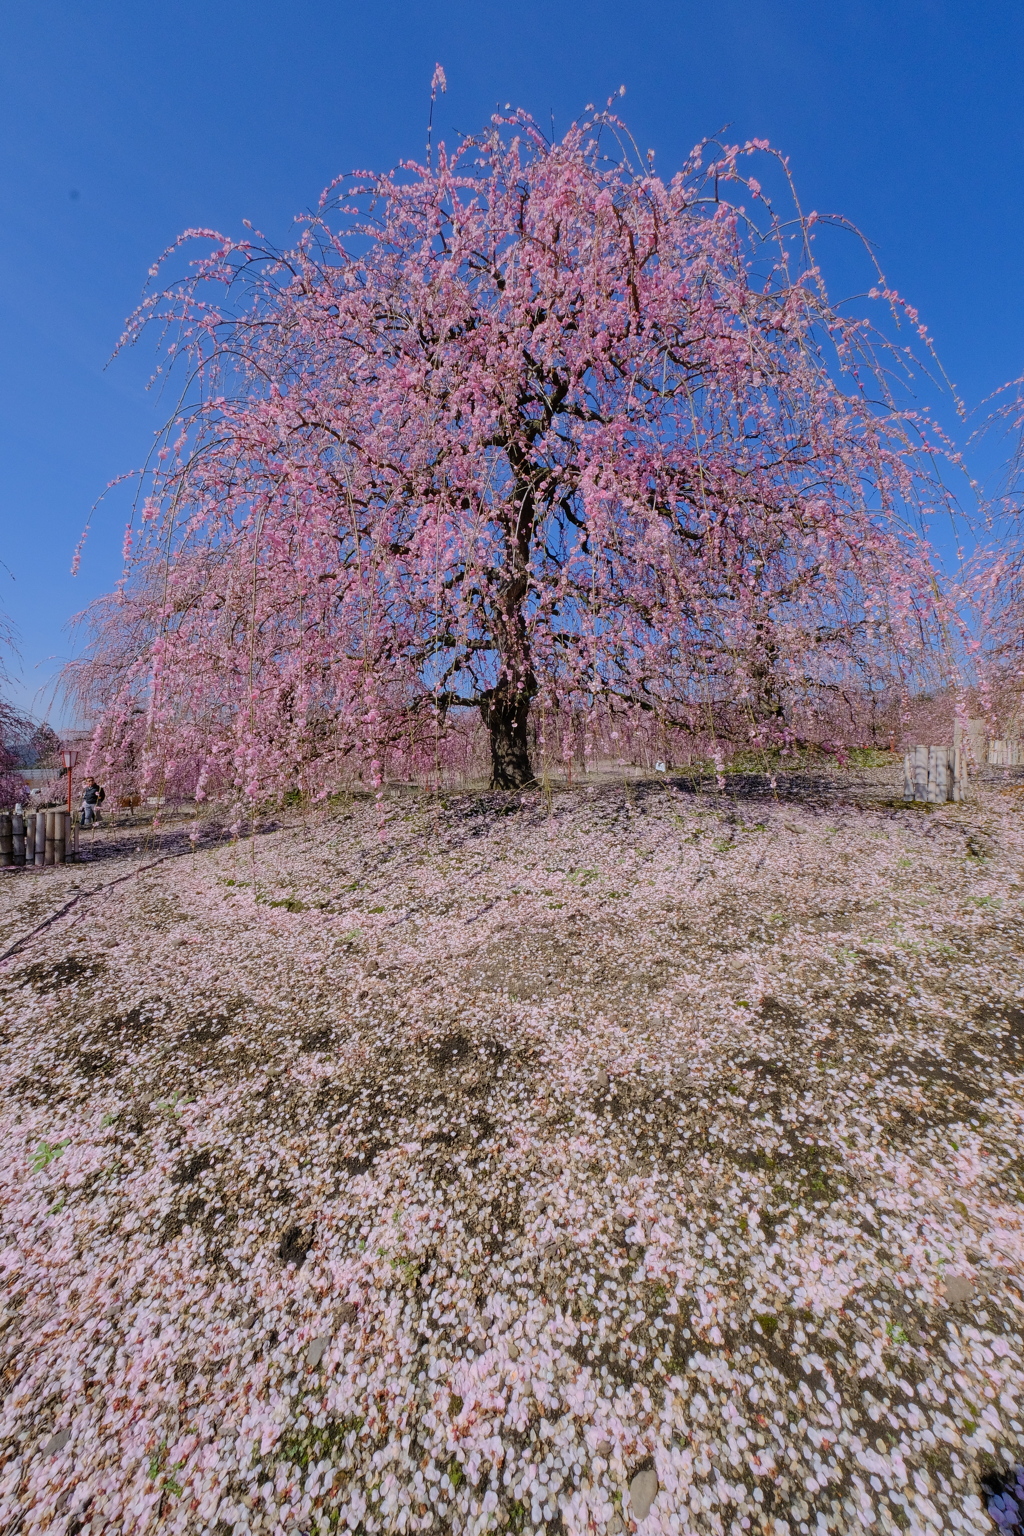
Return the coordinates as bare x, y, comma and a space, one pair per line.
6, 838
959, 767
40, 837
18, 836
48, 831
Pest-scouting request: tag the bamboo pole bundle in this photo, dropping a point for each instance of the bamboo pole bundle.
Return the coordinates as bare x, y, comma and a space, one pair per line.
1004, 754
934, 775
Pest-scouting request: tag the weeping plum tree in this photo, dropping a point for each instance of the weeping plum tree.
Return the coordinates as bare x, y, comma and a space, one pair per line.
529, 423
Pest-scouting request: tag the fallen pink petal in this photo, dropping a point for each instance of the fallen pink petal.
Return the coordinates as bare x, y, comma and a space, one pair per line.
409, 1225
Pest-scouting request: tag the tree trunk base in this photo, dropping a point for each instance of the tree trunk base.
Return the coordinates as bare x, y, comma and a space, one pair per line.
505, 715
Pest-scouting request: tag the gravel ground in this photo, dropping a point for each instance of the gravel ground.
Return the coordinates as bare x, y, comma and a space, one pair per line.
624, 1158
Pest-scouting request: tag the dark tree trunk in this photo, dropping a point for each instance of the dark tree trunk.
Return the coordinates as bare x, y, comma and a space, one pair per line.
764, 672
506, 710
506, 706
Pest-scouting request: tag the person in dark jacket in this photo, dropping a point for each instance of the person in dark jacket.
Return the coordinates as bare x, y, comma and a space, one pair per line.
93, 797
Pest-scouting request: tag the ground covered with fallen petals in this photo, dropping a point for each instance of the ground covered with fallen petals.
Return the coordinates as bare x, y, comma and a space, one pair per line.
446, 1166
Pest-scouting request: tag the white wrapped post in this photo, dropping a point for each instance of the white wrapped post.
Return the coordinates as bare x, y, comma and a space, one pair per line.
49, 835
60, 846
972, 739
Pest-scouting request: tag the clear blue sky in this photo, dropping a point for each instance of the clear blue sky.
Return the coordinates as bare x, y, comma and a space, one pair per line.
123, 122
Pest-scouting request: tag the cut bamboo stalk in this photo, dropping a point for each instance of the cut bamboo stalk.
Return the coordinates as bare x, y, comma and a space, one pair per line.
49, 818
6, 838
